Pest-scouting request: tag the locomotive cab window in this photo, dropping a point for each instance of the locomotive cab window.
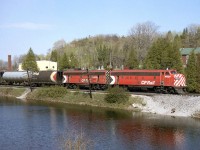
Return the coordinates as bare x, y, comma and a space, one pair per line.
167, 73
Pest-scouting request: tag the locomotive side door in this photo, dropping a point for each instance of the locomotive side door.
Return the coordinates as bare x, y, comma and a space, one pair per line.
162, 83
167, 78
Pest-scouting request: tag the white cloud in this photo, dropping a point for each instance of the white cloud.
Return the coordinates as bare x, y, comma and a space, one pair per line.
28, 26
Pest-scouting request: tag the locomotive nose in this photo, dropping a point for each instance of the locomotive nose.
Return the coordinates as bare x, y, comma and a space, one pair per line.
179, 80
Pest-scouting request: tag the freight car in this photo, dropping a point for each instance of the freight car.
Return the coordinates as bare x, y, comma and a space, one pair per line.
162, 81
42, 78
35, 79
1, 75
15, 78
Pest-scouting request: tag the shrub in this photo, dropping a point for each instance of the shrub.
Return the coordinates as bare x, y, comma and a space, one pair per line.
116, 95
52, 92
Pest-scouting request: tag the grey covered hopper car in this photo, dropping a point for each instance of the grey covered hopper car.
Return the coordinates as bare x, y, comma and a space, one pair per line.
36, 78
16, 77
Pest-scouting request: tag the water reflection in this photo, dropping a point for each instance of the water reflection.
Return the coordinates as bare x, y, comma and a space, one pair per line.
39, 125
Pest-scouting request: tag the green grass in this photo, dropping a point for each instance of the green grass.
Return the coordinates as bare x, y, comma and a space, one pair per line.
62, 95
79, 97
13, 92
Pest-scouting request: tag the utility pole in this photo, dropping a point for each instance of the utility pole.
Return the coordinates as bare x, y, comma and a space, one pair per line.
89, 83
29, 80
110, 60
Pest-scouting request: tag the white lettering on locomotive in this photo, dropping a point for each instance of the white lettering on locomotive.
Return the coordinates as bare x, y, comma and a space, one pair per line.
84, 80
144, 82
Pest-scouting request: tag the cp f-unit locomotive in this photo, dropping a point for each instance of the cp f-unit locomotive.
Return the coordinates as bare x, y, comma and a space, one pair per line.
162, 81
165, 81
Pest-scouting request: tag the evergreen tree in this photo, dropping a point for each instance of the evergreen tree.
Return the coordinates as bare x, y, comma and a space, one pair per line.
177, 60
132, 61
165, 53
169, 36
150, 61
191, 73
157, 57
198, 73
64, 62
175, 55
54, 56
197, 36
29, 63
185, 38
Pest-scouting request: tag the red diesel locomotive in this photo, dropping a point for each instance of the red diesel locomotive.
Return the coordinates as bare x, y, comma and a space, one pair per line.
162, 81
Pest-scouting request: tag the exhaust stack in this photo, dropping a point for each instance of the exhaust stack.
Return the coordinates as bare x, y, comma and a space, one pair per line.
9, 63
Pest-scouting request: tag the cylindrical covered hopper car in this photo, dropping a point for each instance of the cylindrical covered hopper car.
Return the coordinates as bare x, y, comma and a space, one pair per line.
16, 77
35, 79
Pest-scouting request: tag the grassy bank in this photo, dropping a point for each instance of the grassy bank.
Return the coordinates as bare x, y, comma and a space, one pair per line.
61, 94
11, 92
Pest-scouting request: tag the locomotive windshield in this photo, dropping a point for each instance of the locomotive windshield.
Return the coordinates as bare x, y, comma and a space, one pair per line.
173, 72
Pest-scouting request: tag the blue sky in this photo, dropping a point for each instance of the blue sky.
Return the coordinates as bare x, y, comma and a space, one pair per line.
40, 23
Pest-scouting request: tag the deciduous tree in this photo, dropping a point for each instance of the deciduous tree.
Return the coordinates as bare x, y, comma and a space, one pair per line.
103, 55
73, 62
142, 36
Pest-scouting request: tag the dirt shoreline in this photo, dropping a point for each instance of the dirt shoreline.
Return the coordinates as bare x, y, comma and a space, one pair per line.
157, 105
26, 96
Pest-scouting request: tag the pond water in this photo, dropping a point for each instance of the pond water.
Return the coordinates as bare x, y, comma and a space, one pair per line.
47, 126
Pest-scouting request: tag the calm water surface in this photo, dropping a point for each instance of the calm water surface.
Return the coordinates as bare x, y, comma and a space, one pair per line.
33, 126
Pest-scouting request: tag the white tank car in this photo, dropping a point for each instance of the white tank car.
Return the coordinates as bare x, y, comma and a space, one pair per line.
16, 77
